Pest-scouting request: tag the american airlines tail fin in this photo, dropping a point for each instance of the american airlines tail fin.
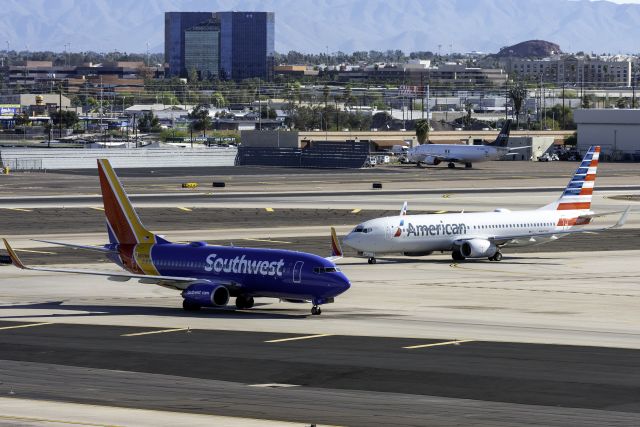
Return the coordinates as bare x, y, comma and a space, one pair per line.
577, 194
503, 137
123, 224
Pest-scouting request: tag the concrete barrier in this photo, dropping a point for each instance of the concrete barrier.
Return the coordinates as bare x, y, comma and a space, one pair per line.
85, 158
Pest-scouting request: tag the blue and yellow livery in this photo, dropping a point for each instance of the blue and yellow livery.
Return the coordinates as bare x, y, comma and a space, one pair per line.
206, 275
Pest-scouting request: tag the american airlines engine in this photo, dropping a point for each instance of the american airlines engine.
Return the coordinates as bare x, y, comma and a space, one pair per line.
484, 234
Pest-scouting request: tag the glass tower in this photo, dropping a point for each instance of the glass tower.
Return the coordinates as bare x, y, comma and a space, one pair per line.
175, 26
245, 49
202, 49
246, 44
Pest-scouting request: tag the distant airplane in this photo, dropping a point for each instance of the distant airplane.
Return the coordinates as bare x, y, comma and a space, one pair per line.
434, 154
206, 275
483, 234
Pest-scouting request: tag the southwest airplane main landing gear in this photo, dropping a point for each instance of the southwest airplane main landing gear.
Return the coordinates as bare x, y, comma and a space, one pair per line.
243, 302
451, 165
468, 165
189, 306
315, 310
371, 260
496, 257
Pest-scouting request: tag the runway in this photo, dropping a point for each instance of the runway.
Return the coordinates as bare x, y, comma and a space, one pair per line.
367, 380
546, 337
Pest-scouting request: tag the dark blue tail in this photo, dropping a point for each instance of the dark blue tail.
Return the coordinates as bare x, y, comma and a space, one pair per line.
503, 136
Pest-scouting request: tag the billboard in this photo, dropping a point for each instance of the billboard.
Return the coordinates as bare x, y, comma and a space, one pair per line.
9, 109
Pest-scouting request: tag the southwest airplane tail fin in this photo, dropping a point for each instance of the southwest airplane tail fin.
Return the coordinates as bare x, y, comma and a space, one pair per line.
577, 195
503, 137
123, 224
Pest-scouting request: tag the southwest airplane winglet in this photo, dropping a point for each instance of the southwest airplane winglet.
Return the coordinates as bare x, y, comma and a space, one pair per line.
14, 258
336, 249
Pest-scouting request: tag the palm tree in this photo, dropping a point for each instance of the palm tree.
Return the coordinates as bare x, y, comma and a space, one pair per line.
422, 130
517, 94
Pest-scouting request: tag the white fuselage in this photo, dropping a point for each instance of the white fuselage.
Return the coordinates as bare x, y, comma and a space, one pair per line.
460, 153
443, 232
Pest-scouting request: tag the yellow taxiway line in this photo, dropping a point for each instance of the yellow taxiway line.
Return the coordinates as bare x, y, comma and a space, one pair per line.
265, 240
20, 209
437, 344
184, 209
97, 209
35, 252
163, 331
268, 209
306, 337
25, 326
355, 211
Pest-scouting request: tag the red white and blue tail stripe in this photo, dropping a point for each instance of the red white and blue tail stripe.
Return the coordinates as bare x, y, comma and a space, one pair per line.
577, 195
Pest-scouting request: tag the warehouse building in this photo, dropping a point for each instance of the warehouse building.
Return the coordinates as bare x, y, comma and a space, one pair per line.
616, 131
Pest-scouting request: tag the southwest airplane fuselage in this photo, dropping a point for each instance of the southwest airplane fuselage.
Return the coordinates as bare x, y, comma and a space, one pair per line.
250, 272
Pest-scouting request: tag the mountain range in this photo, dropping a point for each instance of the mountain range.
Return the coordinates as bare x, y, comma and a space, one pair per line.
314, 26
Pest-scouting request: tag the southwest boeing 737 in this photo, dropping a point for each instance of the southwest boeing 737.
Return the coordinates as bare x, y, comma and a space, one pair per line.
206, 275
434, 154
483, 234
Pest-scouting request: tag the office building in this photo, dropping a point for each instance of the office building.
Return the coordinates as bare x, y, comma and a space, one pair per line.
202, 49
175, 26
246, 43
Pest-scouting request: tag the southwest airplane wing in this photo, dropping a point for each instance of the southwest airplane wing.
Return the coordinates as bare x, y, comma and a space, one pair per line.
74, 246
167, 281
620, 223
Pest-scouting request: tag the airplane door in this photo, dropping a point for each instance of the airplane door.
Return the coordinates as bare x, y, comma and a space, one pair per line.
297, 272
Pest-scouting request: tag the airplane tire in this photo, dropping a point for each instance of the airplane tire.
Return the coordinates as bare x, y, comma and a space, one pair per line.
316, 310
457, 256
468, 165
497, 256
371, 260
189, 306
451, 165
243, 302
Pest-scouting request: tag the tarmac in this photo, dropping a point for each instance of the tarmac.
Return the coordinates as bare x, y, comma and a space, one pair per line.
546, 337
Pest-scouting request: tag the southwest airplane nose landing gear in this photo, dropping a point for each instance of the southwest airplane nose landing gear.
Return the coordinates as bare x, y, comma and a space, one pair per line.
315, 310
371, 260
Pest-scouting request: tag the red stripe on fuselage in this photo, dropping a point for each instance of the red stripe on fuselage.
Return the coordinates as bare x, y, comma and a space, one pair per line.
567, 222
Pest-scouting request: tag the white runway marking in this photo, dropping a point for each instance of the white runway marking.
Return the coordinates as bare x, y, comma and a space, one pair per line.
306, 337
437, 344
163, 331
25, 326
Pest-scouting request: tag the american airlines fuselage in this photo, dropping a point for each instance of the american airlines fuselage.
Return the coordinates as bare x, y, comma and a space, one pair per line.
421, 234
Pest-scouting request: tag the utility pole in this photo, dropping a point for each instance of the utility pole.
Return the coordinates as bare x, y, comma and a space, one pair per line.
60, 112
563, 122
422, 97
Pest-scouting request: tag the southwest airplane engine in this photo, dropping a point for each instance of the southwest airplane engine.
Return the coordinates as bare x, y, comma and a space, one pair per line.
206, 295
431, 160
477, 248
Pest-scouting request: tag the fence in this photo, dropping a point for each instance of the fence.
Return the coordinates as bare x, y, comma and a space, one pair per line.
319, 155
59, 158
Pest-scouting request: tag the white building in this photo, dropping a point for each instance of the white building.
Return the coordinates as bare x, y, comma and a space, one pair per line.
572, 70
616, 131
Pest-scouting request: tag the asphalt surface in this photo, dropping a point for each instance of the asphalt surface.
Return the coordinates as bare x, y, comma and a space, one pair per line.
546, 375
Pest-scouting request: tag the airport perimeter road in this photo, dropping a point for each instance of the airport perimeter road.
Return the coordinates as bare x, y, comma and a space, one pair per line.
341, 380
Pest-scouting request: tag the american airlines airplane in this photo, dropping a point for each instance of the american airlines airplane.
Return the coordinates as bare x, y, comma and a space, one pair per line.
434, 154
205, 275
483, 234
